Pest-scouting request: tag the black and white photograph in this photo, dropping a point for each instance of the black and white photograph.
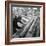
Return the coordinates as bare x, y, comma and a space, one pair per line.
25, 22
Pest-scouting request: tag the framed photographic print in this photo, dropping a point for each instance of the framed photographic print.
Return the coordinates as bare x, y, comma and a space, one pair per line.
25, 22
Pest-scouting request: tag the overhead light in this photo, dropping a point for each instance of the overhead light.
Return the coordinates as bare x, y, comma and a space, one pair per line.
28, 8
35, 8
